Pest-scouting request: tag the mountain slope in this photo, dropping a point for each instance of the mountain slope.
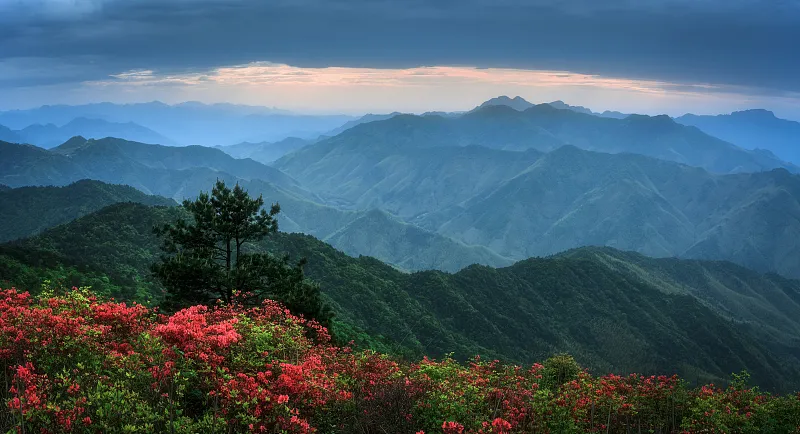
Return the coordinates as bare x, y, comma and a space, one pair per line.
182, 172
405, 181
23, 165
362, 120
27, 211
154, 169
752, 129
571, 198
525, 204
379, 235
604, 306
9, 135
266, 152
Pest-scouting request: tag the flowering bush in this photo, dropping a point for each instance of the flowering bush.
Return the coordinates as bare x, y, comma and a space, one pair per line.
75, 363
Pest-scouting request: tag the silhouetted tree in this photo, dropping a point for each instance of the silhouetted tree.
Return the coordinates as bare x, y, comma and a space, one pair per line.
207, 259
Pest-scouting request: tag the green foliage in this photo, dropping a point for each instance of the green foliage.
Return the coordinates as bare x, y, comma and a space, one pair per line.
27, 211
209, 257
613, 311
559, 369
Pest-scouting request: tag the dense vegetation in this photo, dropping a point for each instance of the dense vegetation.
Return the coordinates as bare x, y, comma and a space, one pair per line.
208, 258
75, 363
27, 211
201, 353
613, 311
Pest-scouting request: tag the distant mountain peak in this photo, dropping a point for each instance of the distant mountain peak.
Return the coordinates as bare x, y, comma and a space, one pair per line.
561, 105
657, 120
754, 113
70, 145
517, 103
492, 110
521, 104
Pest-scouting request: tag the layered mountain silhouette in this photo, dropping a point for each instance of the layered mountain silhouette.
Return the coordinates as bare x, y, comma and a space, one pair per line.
521, 104
30, 210
544, 128
522, 204
752, 129
50, 135
190, 123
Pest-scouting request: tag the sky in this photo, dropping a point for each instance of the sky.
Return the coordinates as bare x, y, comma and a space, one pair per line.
357, 56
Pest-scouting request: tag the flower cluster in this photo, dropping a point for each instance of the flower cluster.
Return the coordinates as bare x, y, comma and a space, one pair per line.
75, 363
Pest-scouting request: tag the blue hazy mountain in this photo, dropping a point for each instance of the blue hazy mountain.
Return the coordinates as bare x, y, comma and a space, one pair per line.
50, 135
752, 129
521, 104
544, 128
190, 123
431, 171
266, 152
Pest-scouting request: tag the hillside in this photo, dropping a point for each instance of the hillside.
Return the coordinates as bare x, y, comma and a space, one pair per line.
174, 172
24, 165
600, 307
33, 209
571, 198
27, 211
752, 129
408, 247
368, 173
264, 369
528, 204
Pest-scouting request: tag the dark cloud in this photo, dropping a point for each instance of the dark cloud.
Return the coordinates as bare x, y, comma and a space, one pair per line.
742, 42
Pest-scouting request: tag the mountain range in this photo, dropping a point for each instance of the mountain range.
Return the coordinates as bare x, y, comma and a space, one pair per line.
545, 128
521, 104
463, 200
522, 204
33, 209
190, 123
752, 129
50, 135
613, 310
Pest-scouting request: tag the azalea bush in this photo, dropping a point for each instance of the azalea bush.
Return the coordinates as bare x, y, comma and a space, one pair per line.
76, 363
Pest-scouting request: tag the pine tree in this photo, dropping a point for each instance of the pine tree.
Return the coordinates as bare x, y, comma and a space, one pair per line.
210, 257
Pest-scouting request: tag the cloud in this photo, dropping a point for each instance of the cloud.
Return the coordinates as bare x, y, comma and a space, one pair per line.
718, 42
359, 90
